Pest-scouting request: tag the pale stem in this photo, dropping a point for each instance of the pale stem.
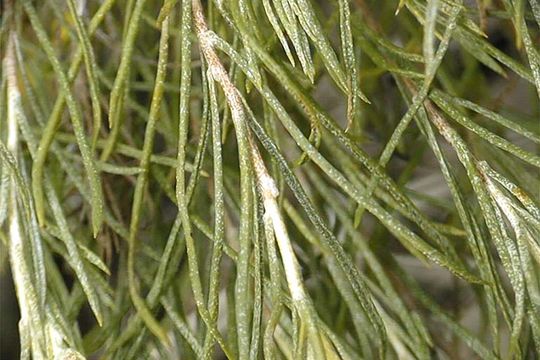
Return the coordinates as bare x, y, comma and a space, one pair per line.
265, 182
16, 251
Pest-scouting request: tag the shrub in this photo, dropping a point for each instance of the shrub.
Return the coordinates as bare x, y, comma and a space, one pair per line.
272, 178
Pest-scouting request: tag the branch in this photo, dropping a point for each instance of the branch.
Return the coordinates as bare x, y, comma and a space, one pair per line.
265, 182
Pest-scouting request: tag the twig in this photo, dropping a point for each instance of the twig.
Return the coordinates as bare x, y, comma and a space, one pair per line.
265, 182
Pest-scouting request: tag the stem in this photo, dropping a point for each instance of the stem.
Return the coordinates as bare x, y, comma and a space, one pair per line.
265, 182
31, 321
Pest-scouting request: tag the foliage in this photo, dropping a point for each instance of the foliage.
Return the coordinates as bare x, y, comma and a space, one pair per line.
247, 179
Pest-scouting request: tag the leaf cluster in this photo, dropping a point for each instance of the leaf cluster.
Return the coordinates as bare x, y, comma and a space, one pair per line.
250, 179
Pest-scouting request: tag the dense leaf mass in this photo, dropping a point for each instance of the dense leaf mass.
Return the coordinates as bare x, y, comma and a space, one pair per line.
277, 179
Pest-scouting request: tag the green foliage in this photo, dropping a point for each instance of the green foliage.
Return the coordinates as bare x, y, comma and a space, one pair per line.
247, 179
